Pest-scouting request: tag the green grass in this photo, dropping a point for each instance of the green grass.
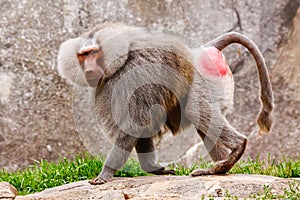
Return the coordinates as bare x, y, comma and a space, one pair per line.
285, 168
44, 174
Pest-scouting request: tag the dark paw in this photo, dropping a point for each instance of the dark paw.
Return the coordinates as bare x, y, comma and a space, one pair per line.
167, 172
162, 171
97, 181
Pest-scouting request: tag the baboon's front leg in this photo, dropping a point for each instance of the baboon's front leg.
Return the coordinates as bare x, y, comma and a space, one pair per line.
116, 158
147, 156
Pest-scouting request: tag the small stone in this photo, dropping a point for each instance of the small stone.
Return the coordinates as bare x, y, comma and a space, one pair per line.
219, 192
7, 191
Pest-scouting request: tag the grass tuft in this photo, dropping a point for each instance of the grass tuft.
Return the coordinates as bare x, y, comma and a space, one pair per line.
285, 168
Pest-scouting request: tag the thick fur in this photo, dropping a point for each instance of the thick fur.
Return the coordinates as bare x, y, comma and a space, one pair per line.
143, 70
67, 63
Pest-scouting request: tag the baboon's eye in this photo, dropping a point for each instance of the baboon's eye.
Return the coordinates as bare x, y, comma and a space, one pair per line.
83, 54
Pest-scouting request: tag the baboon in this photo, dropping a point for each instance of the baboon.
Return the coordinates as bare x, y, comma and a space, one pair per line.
147, 81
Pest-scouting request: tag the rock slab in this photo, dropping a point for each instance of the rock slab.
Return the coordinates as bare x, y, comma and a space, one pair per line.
164, 187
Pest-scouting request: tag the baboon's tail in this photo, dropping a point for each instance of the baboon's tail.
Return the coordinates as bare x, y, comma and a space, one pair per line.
264, 119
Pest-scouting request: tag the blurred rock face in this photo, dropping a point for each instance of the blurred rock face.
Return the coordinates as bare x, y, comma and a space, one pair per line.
36, 118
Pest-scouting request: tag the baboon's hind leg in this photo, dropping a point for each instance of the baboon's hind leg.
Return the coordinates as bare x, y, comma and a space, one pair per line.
217, 151
229, 138
209, 122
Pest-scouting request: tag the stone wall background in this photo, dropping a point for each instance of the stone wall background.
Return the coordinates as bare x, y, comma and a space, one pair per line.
36, 117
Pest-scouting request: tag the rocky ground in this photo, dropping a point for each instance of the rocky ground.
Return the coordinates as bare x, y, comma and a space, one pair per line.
162, 187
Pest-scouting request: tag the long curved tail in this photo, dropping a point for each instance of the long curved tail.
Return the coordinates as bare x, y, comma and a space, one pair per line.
264, 119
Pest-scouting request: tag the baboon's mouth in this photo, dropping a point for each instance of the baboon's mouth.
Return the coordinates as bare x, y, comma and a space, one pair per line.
94, 82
